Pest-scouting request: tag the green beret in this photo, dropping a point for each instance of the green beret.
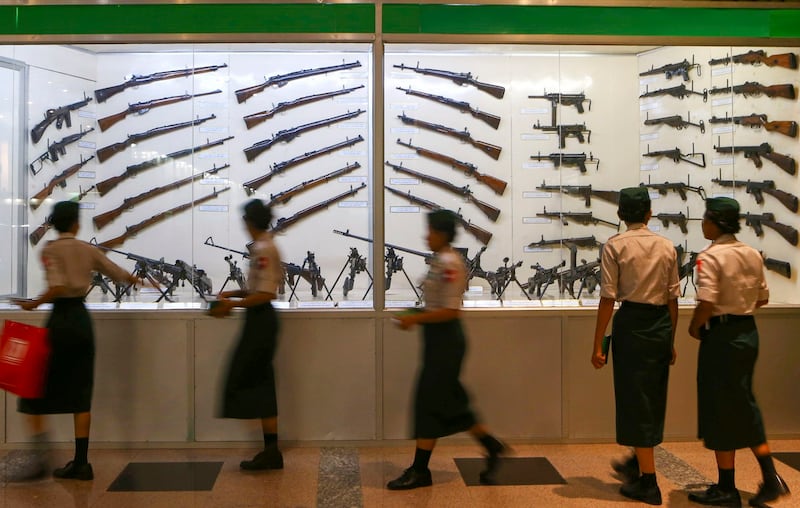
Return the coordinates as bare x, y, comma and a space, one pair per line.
722, 205
634, 200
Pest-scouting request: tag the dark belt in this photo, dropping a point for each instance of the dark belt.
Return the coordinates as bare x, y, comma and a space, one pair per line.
727, 318
642, 306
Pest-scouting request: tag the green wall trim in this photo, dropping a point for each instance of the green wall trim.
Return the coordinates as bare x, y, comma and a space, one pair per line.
586, 20
186, 18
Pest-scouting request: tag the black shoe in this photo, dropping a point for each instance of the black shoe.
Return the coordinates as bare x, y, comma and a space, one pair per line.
716, 496
411, 479
266, 459
493, 453
73, 471
628, 470
770, 491
638, 491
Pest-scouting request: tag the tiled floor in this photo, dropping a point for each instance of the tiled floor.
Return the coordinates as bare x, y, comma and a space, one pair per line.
354, 477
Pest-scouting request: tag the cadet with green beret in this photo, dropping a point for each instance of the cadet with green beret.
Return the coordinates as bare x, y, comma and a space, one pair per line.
441, 405
639, 269
730, 287
68, 266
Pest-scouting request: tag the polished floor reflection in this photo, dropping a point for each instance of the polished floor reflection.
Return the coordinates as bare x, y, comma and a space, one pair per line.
346, 477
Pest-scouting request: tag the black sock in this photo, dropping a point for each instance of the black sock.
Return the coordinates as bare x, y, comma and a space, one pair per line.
421, 459
81, 450
491, 443
648, 479
726, 479
767, 468
270, 441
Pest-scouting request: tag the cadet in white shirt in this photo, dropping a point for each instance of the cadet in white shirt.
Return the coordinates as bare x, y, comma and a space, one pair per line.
441, 405
249, 391
730, 287
68, 264
639, 269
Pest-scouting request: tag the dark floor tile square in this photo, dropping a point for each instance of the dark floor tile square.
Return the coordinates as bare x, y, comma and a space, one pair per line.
166, 476
512, 471
791, 459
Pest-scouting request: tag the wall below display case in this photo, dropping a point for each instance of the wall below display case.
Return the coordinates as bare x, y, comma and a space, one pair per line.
350, 376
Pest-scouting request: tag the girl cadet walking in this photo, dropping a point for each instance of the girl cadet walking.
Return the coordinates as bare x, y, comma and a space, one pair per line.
249, 391
68, 264
730, 287
441, 405
639, 269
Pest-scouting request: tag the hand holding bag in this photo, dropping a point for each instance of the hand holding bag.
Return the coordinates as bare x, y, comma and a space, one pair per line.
24, 357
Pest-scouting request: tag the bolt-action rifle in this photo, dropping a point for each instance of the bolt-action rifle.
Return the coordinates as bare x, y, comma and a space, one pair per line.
584, 218
262, 116
463, 106
282, 79
565, 131
60, 116
568, 159
674, 69
481, 234
680, 91
109, 151
489, 149
754, 89
459, 78
59, 180
753, 57
756, 121
757, 222
496, 184
754, 153
279, 167
584, 191
565, 99
286, 222
102, 220
286, 135
283, 197
490, 211
155, 219
758, 189
140, 108
677, 122
109, 183
104, 93
39, 232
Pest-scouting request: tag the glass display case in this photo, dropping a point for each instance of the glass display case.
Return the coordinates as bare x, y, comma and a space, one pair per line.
163, 143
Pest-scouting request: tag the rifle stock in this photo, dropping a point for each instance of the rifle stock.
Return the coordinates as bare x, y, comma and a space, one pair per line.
785, 127
108, 121
781, 267
790, 201
784, 162
39, 232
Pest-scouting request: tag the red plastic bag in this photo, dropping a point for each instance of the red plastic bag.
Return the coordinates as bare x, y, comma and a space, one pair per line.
24, 357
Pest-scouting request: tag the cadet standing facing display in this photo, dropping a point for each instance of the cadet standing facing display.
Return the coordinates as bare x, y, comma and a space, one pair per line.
68, 264
730, 287
639, 269
441, 405
249, 391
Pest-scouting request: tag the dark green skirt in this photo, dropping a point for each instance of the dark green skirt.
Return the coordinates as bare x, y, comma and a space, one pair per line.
727, 413
70, 373
250, 384
641, 353
441, 405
